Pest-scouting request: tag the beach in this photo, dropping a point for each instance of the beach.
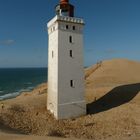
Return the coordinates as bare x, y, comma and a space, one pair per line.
113, 108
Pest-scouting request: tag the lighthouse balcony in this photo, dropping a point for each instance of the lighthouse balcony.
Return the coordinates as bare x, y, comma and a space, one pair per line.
66, 19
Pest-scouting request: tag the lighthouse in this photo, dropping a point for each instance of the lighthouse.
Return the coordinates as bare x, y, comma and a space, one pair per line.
66, 86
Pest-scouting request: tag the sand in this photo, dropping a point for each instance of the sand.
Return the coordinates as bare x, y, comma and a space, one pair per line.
113, 107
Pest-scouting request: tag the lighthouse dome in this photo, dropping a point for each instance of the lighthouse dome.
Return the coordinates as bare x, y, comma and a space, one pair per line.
64, 8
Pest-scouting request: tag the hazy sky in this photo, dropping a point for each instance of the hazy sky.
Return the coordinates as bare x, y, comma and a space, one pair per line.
112, 30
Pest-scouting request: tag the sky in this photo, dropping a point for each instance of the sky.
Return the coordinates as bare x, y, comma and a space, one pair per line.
112, 30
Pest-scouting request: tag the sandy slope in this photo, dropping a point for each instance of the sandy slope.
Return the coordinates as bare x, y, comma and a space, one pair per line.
24, 137
113, 106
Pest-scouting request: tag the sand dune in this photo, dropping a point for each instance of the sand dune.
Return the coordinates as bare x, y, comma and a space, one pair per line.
113, 106
111, 74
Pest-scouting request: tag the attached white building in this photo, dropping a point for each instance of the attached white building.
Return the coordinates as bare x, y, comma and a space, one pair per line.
66, 88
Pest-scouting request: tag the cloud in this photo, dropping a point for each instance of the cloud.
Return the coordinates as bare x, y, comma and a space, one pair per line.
101, 51
110, 51
7, 42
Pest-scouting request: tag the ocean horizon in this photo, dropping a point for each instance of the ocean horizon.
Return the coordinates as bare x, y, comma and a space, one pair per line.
14, 81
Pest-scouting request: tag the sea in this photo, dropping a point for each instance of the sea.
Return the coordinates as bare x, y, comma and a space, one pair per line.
14, 81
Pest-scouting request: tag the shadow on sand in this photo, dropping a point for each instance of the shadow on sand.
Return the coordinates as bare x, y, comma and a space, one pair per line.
8, 130
116, 97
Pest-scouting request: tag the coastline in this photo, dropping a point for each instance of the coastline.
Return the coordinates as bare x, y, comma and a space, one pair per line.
20, 92
117, 119
15, 81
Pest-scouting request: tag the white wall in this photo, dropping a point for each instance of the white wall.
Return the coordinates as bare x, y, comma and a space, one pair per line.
63, 100
53, 72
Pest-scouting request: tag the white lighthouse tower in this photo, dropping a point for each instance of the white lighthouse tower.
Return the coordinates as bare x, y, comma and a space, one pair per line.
65, 64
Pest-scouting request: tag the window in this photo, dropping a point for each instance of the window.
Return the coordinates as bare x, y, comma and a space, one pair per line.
71, 53
51, 29
54, 28
52, 54
70, 39
73, 27
72, 83
67, 27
